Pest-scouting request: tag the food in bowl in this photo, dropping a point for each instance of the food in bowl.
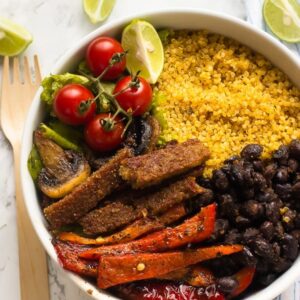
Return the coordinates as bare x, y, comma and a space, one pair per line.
137, 209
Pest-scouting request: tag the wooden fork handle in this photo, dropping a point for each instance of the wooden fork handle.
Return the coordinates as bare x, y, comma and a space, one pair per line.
32, 257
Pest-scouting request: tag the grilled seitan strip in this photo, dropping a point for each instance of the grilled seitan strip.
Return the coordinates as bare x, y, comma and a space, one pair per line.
86, 196
134, 205
150, 169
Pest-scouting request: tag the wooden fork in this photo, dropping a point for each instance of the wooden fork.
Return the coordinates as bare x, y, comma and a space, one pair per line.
16, 97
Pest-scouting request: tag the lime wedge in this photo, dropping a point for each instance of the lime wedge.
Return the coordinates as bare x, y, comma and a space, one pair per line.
13, 38
98, 10
145, 50
283, 18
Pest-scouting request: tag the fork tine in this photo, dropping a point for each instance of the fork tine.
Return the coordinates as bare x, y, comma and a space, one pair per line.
38, 76
27, 77
5, 72
16, 71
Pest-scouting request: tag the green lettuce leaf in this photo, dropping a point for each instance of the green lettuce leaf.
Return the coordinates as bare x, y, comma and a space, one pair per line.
53, 83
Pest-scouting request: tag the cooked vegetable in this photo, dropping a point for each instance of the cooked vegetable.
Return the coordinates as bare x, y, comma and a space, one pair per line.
70, 133
195, 275
244, 278
104, 133
114, 270
63, 170
57, 138
34, 163
195, 229
53, 83
68, 255
131, 232
105, 56
74, 104
134, 94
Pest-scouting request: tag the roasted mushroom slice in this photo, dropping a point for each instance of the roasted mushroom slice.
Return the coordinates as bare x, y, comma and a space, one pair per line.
63, 169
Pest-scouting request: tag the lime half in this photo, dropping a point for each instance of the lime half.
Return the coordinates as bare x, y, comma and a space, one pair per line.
14, 38
283, 18
145, 50
98, 10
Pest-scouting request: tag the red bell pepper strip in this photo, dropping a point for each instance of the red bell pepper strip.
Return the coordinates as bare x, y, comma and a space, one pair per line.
244, 278
68, 254
196, 275
131, 232
193, 230
164, 290
115, 270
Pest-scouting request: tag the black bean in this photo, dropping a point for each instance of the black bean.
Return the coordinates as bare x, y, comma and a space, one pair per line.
267, 195
297, 221
262, 266
259, 181
221, 228
206, 197
204, 182
227, 207
267, 279
258, 165
246, 257
233, 237
247, 193
284, 191
282, 155
263, 248
293, 165
281, 265
296, 189
251, 234
227, 284
272, 211
282, 175
295, 149
279, 230
289, 246
242, 222
248, 177
296, 235
253, 209
236, 175
220, 180
268, 230
252, 151
231, 159
270, 171
276, 249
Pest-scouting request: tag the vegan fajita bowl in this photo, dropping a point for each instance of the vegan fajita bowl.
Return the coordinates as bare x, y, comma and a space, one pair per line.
147, 198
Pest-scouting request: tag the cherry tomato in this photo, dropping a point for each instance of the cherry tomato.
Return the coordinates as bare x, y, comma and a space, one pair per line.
98, 55
136, 99
100, 137
68, 103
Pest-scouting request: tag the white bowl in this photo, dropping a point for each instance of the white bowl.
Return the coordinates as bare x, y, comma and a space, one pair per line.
171, 18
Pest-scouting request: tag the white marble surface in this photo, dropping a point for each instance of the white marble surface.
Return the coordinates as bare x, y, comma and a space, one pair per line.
56, 25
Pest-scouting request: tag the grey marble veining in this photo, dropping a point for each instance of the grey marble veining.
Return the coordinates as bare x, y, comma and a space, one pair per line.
56, 25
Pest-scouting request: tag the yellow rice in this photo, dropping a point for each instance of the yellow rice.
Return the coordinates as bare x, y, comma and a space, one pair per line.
226, 95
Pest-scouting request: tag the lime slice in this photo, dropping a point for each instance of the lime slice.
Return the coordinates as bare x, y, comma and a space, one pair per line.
98, 10
283, 18
13, 38
145, 50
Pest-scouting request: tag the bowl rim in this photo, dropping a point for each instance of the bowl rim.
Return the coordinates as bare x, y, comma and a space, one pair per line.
271, 291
